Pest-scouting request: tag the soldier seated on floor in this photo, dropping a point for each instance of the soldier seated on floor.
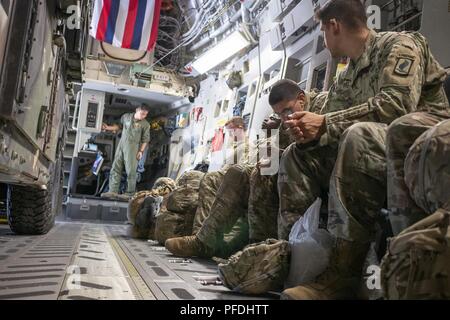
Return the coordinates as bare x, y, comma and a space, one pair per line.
395, 81
239, 205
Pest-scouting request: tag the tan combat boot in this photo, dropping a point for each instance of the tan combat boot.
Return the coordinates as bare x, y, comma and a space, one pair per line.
342, 278
188, 246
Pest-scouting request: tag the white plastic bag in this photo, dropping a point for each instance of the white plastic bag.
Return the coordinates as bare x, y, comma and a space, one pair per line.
310, 247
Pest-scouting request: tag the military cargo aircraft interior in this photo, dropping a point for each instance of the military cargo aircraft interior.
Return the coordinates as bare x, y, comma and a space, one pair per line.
224, 149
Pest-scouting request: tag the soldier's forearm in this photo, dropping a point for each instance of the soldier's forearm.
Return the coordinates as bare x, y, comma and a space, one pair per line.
113, 127
385, 107
143, 146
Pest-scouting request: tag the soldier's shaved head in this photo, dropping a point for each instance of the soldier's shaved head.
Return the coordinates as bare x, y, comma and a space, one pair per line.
284, 90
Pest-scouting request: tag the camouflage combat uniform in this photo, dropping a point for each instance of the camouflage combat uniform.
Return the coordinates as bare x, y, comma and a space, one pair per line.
247, 201
134, 133
395, 75
207, 192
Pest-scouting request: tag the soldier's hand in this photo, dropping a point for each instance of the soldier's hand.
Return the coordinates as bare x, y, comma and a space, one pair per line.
306, 126
104, 126
139, 155
264, 163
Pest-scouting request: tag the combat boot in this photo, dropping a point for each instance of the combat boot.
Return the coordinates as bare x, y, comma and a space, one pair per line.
341, 279
109, 195
188, 246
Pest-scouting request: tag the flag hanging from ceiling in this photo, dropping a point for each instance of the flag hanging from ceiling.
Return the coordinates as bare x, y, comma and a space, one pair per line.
131, 24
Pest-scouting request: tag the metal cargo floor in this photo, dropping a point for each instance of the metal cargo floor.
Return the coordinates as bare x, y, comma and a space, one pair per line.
99, 261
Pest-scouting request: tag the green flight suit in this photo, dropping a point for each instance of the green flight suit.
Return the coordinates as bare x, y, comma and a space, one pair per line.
134, 134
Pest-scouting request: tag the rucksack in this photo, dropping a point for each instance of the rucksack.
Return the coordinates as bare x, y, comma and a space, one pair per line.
171, 224
258, 268
427, 168
417, 262
184, 199
176, 217
161, 188
145, 223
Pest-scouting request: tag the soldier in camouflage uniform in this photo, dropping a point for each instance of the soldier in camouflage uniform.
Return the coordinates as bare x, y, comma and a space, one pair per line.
263, 199
342, 150
210, 187
134, 140
416, 265
244, 199
403, 210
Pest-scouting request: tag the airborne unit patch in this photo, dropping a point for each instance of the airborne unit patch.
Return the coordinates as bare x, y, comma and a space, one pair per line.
403, 66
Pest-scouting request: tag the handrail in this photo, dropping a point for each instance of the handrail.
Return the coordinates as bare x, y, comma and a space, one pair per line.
75, 112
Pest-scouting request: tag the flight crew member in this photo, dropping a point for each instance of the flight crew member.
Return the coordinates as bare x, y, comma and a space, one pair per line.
343, 149
134, 140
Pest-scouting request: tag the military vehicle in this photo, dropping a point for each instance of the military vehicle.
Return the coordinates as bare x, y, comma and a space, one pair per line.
33, 110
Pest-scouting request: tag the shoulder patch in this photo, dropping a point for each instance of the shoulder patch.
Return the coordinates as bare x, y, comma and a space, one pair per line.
403, 66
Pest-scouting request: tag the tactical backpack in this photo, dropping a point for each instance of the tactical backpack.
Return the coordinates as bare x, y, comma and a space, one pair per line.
145, 223
417, 262
427, 168
258, 268
176, 217
143, 227
184, 198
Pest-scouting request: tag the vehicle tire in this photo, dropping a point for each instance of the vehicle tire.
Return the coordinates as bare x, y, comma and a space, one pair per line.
32, 210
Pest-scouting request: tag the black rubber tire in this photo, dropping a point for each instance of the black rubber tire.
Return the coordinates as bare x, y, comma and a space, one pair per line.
30, 210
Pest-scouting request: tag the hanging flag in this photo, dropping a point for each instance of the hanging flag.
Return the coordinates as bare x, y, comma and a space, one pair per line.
130, 24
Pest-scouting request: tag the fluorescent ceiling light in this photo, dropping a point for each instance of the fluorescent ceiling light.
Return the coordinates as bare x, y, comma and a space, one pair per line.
228, 47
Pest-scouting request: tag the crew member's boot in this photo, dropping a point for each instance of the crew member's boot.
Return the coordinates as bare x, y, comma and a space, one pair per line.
342, 278
188, 246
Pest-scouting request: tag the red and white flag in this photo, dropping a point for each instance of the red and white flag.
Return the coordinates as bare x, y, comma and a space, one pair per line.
131, 24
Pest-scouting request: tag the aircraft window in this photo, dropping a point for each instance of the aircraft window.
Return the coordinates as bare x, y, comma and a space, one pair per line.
217, 110
225, 105
319, 77
246, 66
